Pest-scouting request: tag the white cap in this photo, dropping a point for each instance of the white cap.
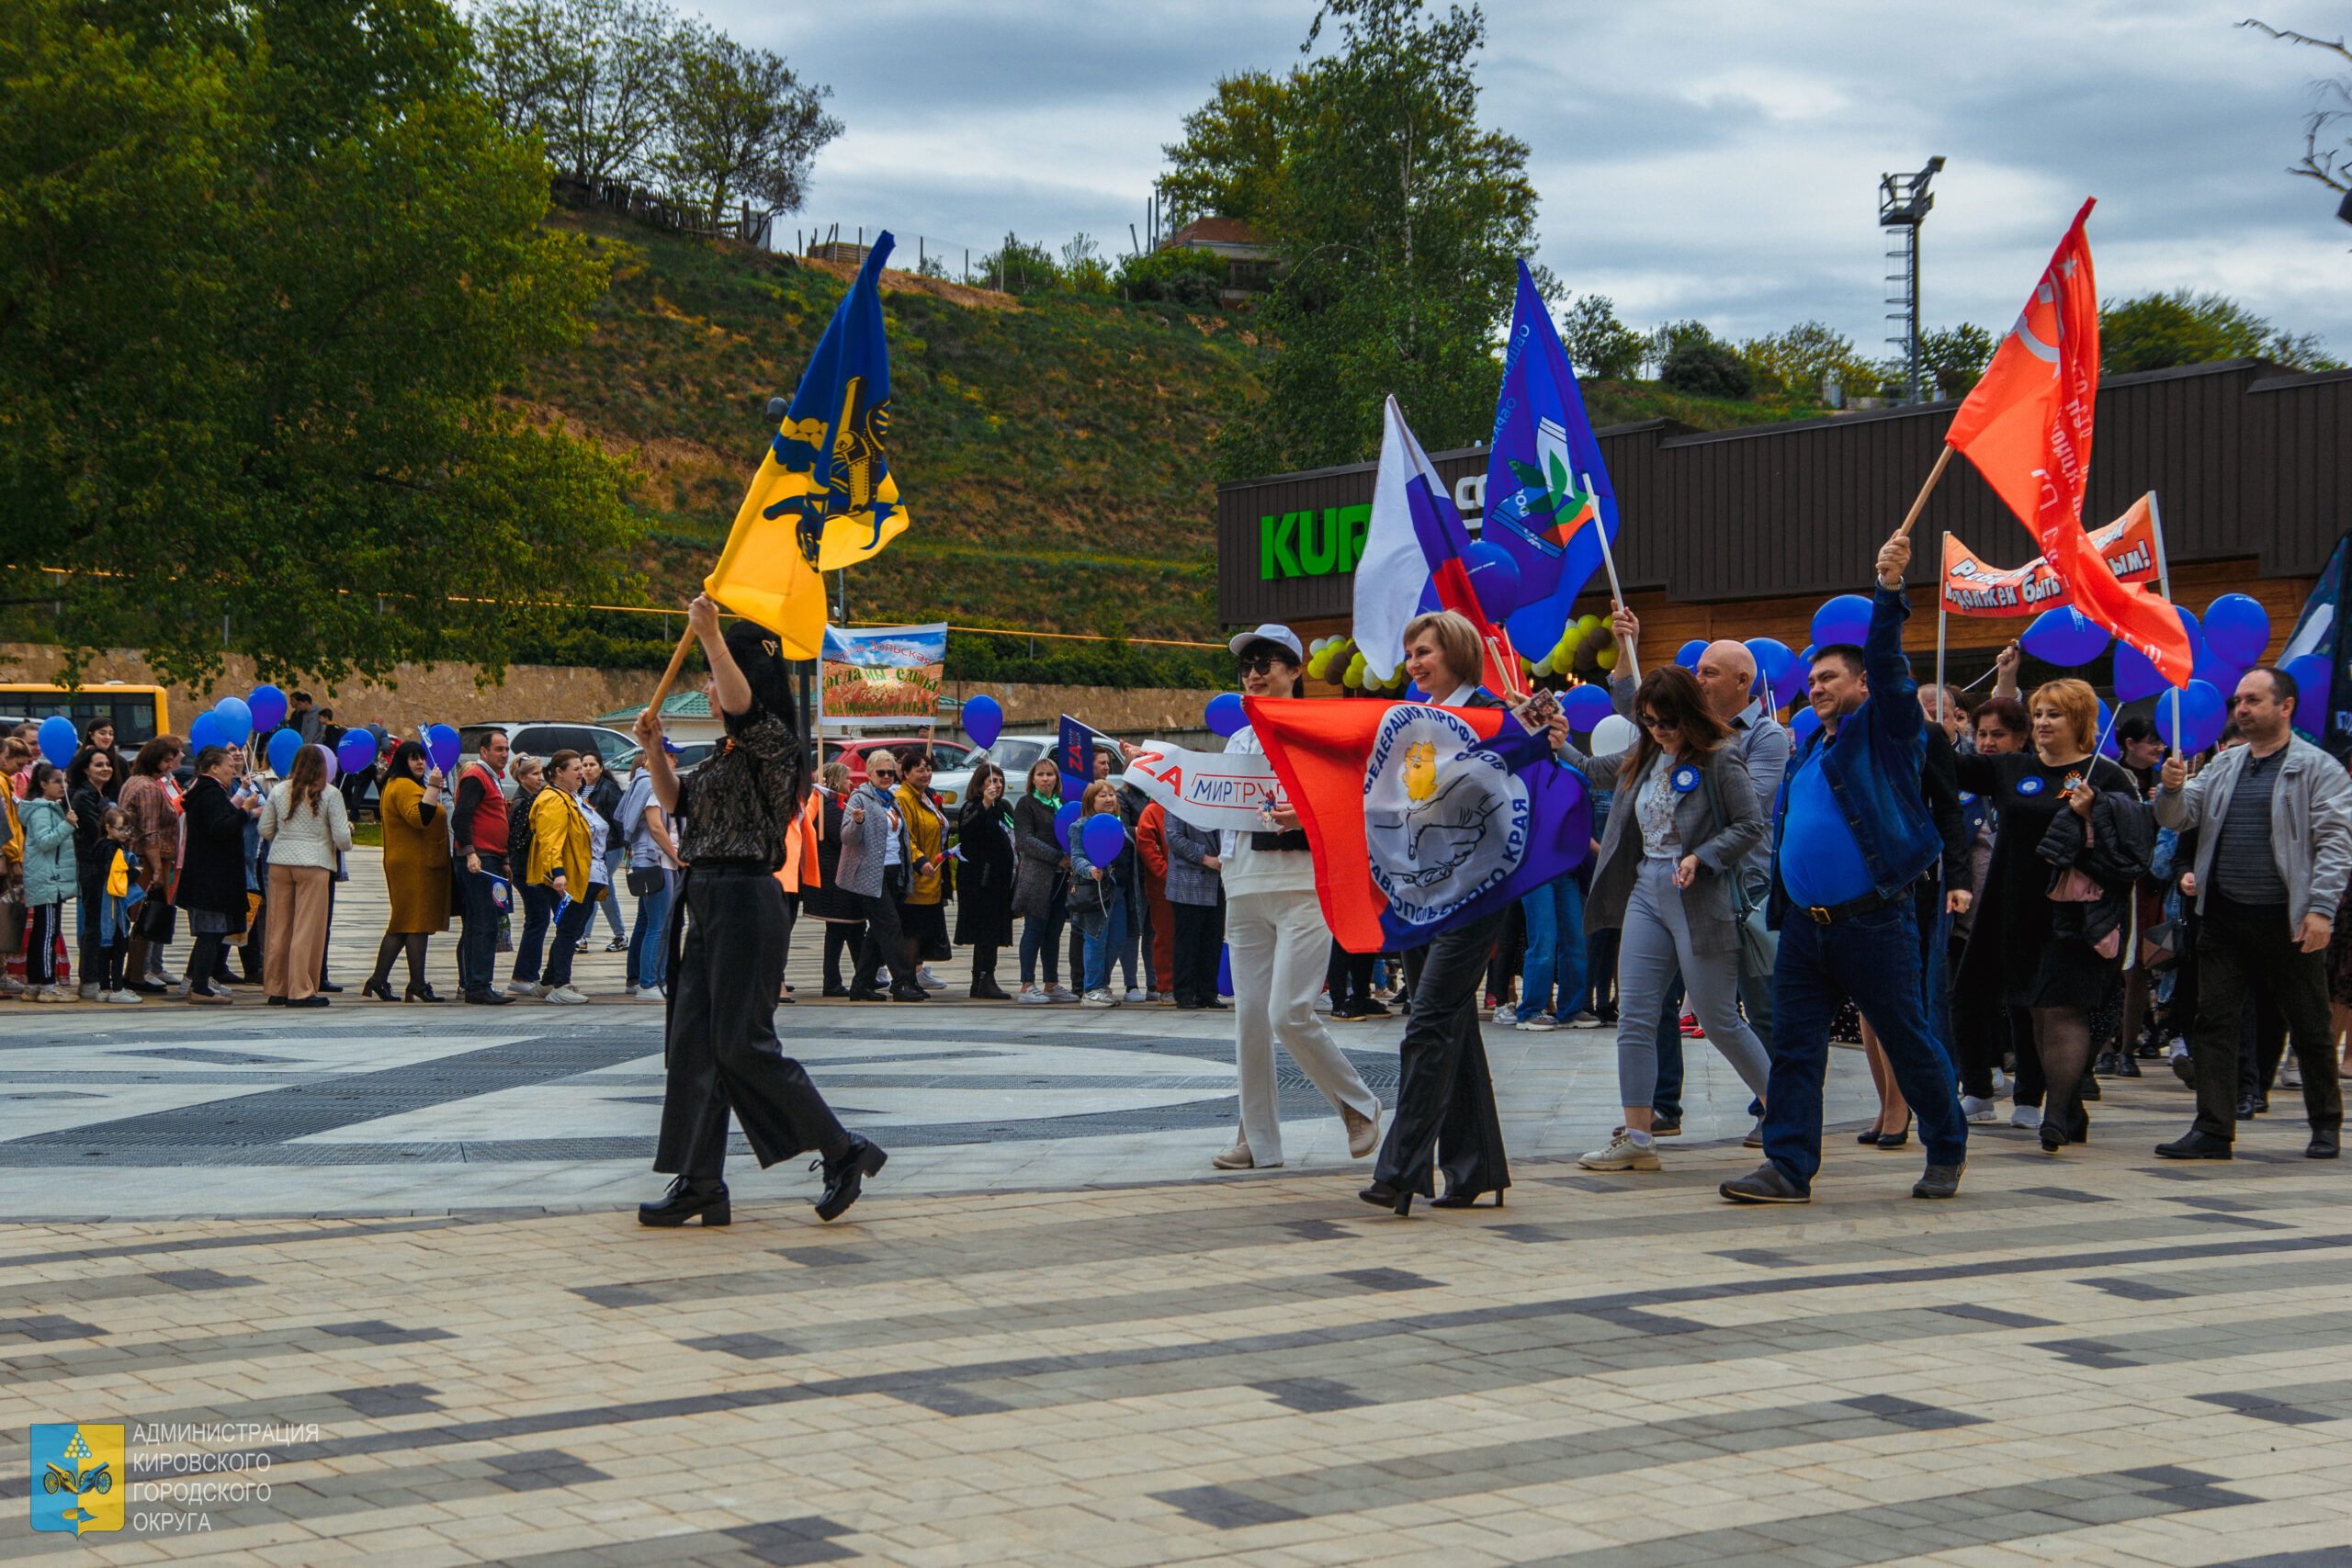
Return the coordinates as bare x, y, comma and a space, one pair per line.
1270, 633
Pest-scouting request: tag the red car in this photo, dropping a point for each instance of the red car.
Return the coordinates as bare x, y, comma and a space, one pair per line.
946, 756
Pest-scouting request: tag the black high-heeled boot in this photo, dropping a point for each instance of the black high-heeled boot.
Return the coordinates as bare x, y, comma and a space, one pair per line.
1380, 1195
688, 1198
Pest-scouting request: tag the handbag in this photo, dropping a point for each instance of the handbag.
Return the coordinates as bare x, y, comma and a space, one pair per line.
644, 881
1760, 945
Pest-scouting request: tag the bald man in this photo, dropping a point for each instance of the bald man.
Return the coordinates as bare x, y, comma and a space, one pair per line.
1726, 673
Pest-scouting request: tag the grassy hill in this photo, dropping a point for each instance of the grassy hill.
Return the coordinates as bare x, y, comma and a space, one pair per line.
1052, 453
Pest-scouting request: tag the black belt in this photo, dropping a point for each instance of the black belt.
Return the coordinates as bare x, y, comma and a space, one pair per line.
1834, 913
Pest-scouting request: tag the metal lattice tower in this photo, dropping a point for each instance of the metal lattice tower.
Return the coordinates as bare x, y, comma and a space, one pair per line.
1903, 205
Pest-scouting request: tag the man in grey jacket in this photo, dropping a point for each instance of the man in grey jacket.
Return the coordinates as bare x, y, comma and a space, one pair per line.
2274, 848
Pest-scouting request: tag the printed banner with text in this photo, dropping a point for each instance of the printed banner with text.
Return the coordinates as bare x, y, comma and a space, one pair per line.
2128, 545
882, 672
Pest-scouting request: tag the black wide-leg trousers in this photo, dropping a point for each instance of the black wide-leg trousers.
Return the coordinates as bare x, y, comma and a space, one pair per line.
722, 1051
1445, 1096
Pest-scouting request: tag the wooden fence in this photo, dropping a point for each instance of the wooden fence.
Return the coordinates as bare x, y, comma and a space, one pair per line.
648, 207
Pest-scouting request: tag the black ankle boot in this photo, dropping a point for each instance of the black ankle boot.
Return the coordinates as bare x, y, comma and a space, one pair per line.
688, 1198
845, 1174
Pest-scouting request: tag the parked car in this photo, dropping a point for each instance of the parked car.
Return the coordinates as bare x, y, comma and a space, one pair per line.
951, 761
684, 761
543, 738
1016, 753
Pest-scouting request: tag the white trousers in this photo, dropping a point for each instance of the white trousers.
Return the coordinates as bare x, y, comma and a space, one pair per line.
1281, 948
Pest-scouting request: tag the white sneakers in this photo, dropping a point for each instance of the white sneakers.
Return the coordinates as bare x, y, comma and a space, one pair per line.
1623, 1154
524, 988
1542, 1023
1099, 996
927, 980
646, 994
1137, 999
1032, 997
2026, 1116
133, 996
1060, 994
564, 996
1363, 1132
1977, 1110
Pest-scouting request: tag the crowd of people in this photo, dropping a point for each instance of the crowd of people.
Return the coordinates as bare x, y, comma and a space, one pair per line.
1968, 888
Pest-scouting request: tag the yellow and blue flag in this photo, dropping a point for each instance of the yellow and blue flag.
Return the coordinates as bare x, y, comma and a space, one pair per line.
824, 497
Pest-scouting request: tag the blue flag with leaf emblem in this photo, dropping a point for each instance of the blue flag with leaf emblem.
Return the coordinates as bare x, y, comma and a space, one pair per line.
1548, 498
823, 497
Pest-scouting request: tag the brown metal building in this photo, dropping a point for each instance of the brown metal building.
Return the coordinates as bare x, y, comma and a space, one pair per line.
1743, 533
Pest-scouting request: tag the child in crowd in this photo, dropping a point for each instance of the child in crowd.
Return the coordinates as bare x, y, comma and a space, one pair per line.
49, 882
122, 895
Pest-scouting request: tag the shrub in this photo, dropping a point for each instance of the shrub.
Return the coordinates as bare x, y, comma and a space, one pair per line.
1707, 370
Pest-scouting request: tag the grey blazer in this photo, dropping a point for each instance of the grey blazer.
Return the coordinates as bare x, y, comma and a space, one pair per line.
860, 868
2311, 823
1707, 903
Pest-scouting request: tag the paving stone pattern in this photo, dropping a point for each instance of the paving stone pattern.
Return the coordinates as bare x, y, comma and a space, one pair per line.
1611, 1373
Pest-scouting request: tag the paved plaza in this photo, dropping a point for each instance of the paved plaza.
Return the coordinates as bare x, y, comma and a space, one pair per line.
397, 1241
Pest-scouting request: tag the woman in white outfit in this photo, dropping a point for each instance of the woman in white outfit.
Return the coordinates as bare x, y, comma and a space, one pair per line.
1280, 947
1685, 813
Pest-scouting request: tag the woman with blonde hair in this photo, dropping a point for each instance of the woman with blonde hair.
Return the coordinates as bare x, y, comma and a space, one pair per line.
2017, 944
416, 871
1685, 813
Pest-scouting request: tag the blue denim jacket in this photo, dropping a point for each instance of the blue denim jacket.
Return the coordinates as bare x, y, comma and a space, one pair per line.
1874, 767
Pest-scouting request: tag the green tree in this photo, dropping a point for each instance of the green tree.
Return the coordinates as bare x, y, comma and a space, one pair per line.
596, 78
1399, 233
1019, 266
265, 269
2157, 332
1231, 160
1802, 358
739, 124
1707, 369
1956, 357
1598, 345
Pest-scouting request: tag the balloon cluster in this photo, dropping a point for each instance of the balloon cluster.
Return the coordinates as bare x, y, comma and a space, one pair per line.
1584, 631
1342, 661
2230, 640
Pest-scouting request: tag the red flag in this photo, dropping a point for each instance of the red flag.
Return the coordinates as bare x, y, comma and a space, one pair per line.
2028, 429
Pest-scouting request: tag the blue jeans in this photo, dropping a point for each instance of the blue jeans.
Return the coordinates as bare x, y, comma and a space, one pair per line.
616, 863
1043, 934
1105, 938
538, 908
1874, 959
1555, 950
648, 954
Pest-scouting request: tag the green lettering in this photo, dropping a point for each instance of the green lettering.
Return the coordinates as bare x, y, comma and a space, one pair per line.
1265, 550
1355, 522
1318, 560
1281, 543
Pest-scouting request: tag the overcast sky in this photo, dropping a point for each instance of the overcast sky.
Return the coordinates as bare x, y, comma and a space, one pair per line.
1692, 159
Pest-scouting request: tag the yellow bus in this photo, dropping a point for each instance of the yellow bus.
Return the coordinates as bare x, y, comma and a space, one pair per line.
140, 713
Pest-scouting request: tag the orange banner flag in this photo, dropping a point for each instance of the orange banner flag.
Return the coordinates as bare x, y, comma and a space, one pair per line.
2128, 545
2028, 429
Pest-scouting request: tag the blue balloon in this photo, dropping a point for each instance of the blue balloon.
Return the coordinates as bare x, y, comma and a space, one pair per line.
2106, 746
1429, 600
2201, 715
1802, 723
2313, 679
1688, 654
1774, 661
2216, 672
2064, 637
282, 747
205, 730
236, 719
1846, 618
1586, 706
58, 739
356, 751
2237, 629
1224, 714
1102, 837
2135, 676
442, 744
267, 706
1494, 577
1062, 820
983, 720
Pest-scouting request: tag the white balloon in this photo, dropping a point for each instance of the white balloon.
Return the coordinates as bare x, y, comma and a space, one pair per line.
1611, 735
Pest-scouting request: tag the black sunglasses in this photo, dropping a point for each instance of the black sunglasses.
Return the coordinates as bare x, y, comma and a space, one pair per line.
1652, 721
1263, 666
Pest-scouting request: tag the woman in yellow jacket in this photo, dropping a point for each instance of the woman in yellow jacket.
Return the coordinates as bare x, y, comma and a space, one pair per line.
568, 859
922, 912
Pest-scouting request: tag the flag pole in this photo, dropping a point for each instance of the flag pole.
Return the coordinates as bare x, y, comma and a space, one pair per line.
669, 676
1943, 615
1921, 504
1607, 559
2163, 581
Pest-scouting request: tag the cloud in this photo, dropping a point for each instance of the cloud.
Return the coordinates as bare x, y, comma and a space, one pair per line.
1694, 159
